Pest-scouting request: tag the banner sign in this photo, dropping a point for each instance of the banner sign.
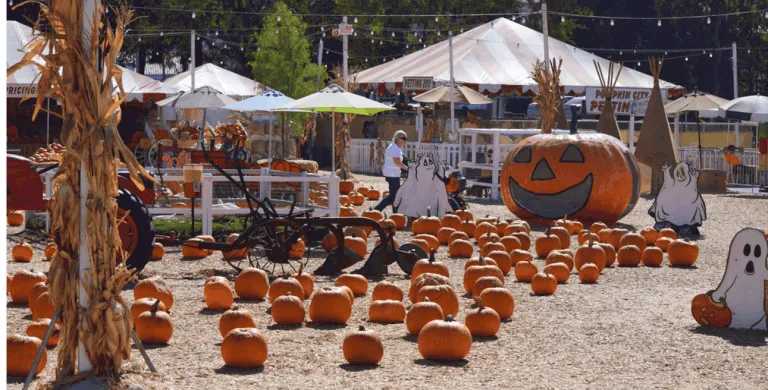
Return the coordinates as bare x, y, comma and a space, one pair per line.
346, 29
16, 90
625, 101
418, 83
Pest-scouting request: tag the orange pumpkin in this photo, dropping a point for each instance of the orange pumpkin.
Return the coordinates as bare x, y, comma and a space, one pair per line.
218, 293
330, 305
519, 255
586, 236
362, 190
422, 313
433, 242
426, 280
590, 177
399, 220
524, 238
444, 295
492, 246
483, 322
707, 312
288, 310
429, 265
663, 243
468, 226
511, 243
426, 224
615, 236
503, 260
158, 251
21, 352
547, 243
356, 199
244, 348
363, 347
525, 270
15, 218
38, 329
191, 249
235, 254
423, 244
145, 304
154, 288
610, 254
483, 283
444, 235
560, 271
357, 283
356, 244
667, 232
465, 215
387, 311
43, 307
51, 249
543, 284
460, 248
329, 242
35, 292
451, 221
458, 235
561, 256
596, 227
515, 227
252, 283
235, 318
563, 235
475, 272
635, 239
591, 253
589, 273
22, 252
346, 186
154, 326
284, 286
444, 340
22, 283
385, 290
682, 253
650, 234
629, 256
374, 194
499, 299
652, 257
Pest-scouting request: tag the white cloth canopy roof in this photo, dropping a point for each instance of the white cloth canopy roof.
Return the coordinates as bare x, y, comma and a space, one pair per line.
136, 86
498, 57
210, 75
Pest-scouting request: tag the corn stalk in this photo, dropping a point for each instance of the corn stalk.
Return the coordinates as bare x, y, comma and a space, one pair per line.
71, 72
547, 96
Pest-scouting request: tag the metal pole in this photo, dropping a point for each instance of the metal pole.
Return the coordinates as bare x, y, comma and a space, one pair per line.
632, 133
333, 142
84, 262
319, 62
450, 60
735, 71
192, 65
345, 39
545, 28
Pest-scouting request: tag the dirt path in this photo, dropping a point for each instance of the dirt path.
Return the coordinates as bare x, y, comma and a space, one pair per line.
632, 329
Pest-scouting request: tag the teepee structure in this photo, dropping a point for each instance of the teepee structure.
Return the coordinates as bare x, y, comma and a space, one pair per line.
607, 122
655, 146
561, 122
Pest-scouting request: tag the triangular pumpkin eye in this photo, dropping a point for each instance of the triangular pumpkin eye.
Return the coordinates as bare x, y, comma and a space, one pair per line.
572, 154
524, 155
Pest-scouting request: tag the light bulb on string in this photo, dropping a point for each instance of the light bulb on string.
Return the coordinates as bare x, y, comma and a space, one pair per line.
194, 15
522, 20
638, 63
621, 52
425, 45
278, 18
703, 52
438, 33
371, 40
462, 30
355, 19
381, 42
217, 33
710, 55
225, 45
161, 33
562, 19
686, 59
406, 46
665, 53
659, 23
366, 60
355, 33
277, 31
709, 21
749, 51
322, 28
140, 39
611, 22
198, 38
323, 35
437, 18
241, 48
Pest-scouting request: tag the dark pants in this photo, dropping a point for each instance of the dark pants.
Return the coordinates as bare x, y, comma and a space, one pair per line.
394, 186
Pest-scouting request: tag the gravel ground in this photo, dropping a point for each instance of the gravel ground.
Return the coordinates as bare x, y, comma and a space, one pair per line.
631, 330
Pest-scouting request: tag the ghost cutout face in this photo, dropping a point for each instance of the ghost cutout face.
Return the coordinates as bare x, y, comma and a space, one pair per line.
744, 284
679, 203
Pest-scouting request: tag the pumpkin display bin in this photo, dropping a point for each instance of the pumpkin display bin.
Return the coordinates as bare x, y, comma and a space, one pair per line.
587, 177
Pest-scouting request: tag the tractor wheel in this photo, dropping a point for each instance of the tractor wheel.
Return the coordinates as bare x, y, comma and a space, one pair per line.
137, 232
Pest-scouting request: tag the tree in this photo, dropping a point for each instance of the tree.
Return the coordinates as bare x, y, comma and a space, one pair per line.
282, 60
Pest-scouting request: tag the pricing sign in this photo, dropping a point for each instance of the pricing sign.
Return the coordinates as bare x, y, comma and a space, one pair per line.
346, 29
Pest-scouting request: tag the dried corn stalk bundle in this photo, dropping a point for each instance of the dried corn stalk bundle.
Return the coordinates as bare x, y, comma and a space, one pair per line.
68, 63
547, 96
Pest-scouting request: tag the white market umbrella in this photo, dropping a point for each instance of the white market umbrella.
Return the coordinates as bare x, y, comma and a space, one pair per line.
265, 101
461, 95
333, 99
695, 101
203, 97
752, 108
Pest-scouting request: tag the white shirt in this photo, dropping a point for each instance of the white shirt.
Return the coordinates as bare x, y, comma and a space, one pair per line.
390, 169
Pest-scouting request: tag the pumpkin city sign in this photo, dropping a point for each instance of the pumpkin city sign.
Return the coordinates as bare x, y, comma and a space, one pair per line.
625, 101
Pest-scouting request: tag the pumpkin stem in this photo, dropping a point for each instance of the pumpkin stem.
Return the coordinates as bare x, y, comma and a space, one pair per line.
547, 232
426, 299
591, 239
301, 268
480, 305
153, 310
429, 211
432, 256
481, 260
449, 318
361, 328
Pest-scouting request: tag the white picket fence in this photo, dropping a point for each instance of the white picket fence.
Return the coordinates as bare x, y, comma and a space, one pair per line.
363, 159
206, 211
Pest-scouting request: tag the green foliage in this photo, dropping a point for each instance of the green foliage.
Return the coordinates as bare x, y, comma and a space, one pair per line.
283, 59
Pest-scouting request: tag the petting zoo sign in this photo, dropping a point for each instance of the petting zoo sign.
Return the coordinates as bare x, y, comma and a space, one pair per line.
625, 101
418, 83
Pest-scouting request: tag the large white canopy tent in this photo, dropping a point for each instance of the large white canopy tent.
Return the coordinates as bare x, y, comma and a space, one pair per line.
498, 57
136, 86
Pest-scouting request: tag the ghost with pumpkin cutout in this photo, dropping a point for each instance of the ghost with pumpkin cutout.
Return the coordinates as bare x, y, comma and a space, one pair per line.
741, 299
423, 189
679, 204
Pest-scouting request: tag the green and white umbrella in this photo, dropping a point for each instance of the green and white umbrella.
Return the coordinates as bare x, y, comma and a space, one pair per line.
335, 99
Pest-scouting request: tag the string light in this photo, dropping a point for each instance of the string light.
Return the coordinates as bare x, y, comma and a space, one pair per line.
393, 34
217, 33
140, 39
355, 33
278, 18
194, 15
241, 48
355, 19
225, 45
438, 33
371, 40
366, 59
322, 28
161, 33
462, 30
621, 52
611, 22
562, 19
659, 23
710, 55
638, 63
686, 59
436, 18
381, 42
709, 20
749, 51
277, 31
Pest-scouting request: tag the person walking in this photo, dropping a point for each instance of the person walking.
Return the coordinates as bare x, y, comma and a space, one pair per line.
393, 163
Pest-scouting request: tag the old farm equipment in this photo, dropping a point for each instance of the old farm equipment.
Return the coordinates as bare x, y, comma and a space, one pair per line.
270, 236
137, 233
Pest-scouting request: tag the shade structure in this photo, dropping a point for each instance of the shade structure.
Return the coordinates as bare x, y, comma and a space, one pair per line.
268, 100
136, 86
461, 95
498, 57
747, 108
335, 99
225, 81
203, 97
695, 101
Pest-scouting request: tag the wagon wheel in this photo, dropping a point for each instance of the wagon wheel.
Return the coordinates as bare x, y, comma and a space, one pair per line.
269, 245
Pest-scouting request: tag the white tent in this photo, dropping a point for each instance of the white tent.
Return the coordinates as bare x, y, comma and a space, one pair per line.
498, 57
210, 75
137, 87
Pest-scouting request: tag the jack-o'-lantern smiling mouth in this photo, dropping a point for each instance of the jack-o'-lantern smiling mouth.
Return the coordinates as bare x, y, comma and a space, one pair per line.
553, 206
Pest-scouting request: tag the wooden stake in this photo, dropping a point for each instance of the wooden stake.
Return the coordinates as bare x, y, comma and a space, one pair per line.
143, 352
40, 350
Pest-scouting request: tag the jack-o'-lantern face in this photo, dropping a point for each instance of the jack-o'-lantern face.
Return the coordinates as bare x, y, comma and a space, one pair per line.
589, 177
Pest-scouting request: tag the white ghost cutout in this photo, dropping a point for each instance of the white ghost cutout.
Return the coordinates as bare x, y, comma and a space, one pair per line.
679, 201
423, 188
745, 281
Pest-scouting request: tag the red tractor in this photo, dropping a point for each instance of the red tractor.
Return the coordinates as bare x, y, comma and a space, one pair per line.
26, 192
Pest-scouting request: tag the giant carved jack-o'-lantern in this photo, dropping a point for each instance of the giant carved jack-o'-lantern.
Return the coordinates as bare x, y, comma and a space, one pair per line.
587, 177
